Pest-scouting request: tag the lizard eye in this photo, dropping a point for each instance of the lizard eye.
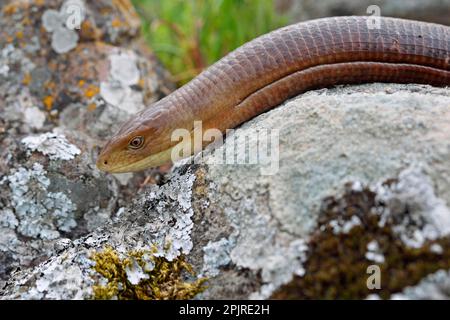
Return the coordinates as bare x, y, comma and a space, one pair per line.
136, 142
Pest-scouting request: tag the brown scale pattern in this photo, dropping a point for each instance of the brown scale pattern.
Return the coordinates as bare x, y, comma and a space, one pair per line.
270, 67
274, 67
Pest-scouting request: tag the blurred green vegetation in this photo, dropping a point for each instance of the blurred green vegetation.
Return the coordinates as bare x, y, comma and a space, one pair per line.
189, 35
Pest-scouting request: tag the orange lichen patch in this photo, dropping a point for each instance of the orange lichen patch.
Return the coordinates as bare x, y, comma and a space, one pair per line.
116, 23
9, 39
26, 79
10, 9
91, 107
91, 91
26, 21
89, 31
50, 85
141, 83
79, 70
52, 65
48, 102
128, 12
19, 34
105, 11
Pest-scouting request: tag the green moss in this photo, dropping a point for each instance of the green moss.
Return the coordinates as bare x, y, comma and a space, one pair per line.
337, 268
165, 280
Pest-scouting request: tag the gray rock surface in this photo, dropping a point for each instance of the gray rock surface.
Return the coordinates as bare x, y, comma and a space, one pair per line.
436, 286
250, 232
53, 117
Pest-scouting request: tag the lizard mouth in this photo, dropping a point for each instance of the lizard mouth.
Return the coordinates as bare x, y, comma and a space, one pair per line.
151, 161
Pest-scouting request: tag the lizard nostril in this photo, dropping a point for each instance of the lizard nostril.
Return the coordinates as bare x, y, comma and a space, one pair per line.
105, 162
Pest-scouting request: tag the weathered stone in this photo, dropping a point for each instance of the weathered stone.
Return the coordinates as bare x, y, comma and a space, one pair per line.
363, 178
53, 117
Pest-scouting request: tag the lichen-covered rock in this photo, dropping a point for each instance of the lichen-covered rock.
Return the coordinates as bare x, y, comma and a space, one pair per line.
436, 286
363, 180
82, 71
163, 225
431, 10
55, 112
365, 135
50, 190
